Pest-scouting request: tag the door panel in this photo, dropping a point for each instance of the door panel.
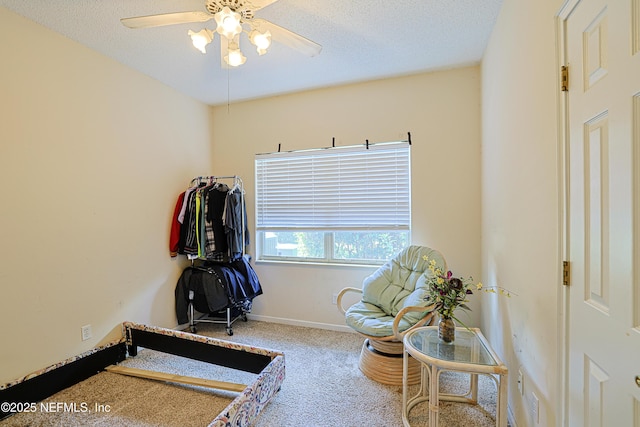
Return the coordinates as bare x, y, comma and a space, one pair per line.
595, 50
596, 196
636, 192
603, 244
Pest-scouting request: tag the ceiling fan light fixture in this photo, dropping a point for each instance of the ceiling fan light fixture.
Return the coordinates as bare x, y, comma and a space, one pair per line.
201, 39
228, 23
232, 17
261, 41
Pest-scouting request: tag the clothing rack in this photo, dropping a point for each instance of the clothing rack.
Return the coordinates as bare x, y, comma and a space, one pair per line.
230, 319
237, 184
213, 178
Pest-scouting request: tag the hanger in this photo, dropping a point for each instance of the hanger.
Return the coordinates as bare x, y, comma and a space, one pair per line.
236, 185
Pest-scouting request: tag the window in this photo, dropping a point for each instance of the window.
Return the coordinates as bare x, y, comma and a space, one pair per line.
338, 205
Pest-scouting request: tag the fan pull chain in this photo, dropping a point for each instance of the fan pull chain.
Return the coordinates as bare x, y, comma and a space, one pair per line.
228, 84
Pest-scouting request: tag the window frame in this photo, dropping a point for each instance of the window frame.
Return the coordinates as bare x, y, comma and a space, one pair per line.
329, 238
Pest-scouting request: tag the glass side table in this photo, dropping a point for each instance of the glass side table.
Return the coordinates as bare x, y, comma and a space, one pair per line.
469, 353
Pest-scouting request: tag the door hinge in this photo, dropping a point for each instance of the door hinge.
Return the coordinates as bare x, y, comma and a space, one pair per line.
564, 78
566, 273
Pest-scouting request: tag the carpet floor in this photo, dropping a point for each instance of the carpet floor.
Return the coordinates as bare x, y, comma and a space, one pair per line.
323, 388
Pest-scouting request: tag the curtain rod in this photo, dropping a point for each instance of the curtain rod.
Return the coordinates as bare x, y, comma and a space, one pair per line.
367, 144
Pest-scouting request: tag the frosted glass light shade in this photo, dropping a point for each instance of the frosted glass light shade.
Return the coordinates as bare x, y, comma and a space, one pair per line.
262, 41
201, 39
228, 23
235, 58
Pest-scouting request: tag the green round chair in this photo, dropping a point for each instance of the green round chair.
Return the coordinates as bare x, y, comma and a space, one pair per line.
393, 302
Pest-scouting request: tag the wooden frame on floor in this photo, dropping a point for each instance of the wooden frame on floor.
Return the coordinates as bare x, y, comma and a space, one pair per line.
246, 407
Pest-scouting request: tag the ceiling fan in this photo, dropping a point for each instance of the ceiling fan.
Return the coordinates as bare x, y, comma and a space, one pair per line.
230, 16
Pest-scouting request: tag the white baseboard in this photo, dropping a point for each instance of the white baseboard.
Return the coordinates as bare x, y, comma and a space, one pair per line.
305, 323
286, 321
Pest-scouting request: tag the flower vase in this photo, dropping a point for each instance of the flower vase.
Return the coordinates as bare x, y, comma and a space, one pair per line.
446, 330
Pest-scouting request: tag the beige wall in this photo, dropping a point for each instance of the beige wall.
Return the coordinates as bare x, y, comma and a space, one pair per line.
442, 112
520, 224
92, 157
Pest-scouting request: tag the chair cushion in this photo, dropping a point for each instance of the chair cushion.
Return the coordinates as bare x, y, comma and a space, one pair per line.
399, 283
370, 320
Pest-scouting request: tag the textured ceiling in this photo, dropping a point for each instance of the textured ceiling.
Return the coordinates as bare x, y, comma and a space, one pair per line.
361, 40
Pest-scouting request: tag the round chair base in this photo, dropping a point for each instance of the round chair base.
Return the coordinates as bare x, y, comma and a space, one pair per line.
381, 361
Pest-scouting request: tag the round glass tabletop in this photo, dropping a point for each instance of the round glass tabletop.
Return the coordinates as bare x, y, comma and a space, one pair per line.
468, 347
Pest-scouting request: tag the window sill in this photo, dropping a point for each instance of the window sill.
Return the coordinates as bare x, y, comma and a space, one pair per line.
316, 264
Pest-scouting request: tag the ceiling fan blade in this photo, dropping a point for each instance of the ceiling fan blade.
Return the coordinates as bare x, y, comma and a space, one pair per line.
286, 37
258, 4
166, 19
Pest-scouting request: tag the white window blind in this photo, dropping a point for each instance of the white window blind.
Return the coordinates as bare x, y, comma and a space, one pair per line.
349, 188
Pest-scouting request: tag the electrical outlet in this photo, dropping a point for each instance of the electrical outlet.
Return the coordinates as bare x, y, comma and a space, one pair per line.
86, 332
334, 299
535, 408
520, 382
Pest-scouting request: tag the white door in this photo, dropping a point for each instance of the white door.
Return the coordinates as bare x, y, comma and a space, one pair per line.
602, 51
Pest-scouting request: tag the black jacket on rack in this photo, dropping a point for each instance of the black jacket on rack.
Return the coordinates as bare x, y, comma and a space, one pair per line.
216, 286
